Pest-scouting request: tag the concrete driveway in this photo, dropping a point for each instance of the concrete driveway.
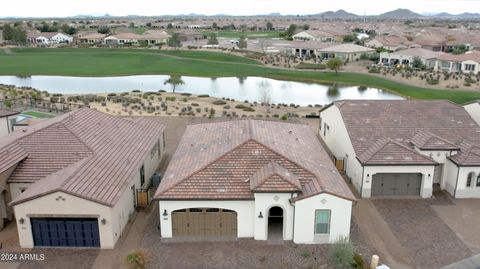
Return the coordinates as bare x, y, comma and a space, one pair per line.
464, 219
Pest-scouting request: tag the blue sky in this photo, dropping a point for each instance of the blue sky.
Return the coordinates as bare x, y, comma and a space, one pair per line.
60, 8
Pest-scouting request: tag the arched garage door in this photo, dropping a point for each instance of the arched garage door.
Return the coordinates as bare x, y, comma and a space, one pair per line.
204, 222
396, 184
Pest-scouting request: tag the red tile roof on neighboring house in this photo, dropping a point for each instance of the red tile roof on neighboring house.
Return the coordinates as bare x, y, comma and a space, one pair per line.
372, 124
469, 56
217, 161
85, 153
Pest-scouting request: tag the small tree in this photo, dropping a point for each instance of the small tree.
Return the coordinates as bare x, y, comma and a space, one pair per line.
349, 38
341, 252
242, 43
334, 64
103, 30
269, 26
174, 80
214, 26
265, 98
212, 40
417, 62
175, 41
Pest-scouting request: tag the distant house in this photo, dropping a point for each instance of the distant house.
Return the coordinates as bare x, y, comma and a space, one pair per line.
404, 147
253, 179
406, 57
346, 52
48, 38
316, 35
466, 63
390, 42
306, 48
155, 37
122, 39
91, 38
76, 180
8, 119
190, 35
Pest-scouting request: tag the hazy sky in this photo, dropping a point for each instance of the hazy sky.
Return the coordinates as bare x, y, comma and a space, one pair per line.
61, 8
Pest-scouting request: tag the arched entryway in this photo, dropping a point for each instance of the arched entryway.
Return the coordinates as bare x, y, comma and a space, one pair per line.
275, 223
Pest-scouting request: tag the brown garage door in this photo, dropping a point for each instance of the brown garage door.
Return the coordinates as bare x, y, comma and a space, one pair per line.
204, 222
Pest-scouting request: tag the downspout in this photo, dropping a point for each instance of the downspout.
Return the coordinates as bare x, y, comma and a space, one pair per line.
8, 124
293, 227
456, 182
361, 187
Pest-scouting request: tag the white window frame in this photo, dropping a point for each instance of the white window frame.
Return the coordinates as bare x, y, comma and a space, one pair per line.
329, 221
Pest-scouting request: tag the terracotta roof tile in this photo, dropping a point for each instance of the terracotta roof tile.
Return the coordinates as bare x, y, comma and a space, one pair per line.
217, 160
274, 178
85, 153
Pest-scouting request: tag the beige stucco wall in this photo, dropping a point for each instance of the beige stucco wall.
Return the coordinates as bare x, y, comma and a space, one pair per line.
474, 110
263, 203
341, 212
462, 190
5, 125
49, 205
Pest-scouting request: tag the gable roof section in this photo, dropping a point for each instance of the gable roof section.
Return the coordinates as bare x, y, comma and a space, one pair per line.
99, 154
425, 140
368, 121
216, 160
274, 178
469, 155
388, 152
11, 155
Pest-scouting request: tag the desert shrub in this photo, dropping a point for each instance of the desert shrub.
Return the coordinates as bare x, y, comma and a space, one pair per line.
432, 81
470, 80
358, 262
240, 106
184, 99
284, 117
226, 107
186, 94
305, 254
248, 109
374, 70
195, 104
467, 84
219, 102
341, 252
203, 96
137, 259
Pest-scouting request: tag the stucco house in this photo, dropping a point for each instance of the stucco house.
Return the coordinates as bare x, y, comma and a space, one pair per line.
406, 57
253, 179
346, 52
390, 42
122, 39
155, 37
8, 118
76, 180
466, 63
49, 38
90, 38
404, 147
314, 35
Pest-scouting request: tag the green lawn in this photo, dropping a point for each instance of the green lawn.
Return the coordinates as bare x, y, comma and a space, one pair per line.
248, 34
36, 114
110, 62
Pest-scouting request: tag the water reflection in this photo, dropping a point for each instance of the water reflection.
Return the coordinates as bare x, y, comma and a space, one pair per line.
244, 88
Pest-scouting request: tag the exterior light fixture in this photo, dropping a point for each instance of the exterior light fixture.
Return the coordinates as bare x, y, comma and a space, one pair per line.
21, 221
165, 213
104, 221
260, 216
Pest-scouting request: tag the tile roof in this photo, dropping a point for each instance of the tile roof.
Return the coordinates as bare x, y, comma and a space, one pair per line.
85, 153
274, 178
370, 121
419, 52
469, 155
347, 48
469, 56
7, 112
216, 161
425, 140
386, 151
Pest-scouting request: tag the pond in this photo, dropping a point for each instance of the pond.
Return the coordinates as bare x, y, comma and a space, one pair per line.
241, 88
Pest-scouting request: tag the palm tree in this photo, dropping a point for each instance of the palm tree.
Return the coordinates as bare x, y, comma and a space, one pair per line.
174, 80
